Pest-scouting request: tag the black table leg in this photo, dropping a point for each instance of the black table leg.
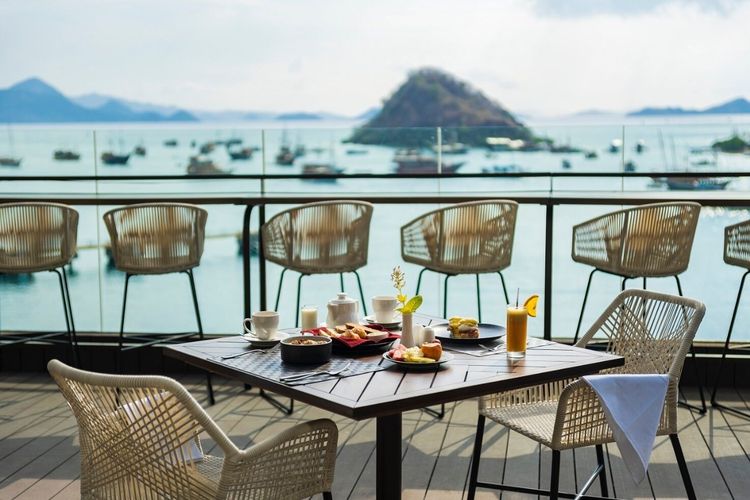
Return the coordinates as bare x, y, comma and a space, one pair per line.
388, 457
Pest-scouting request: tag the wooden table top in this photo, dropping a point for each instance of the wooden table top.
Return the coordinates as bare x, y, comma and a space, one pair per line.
394, 390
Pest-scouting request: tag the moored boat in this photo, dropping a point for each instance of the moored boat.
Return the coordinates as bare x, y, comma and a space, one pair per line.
139, 151
7, 161
109, 158
285, 156
203, 166
240, 154
66, 155
413, 162
697, 183
321, 169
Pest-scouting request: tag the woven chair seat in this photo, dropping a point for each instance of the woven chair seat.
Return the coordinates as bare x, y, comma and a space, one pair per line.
534, 420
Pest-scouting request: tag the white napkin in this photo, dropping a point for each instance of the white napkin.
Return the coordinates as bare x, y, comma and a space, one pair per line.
633, 406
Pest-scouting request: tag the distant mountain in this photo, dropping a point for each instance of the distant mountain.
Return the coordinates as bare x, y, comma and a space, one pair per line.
369, 114
33, 100
298, 116
94, 100
431, 98
735, 106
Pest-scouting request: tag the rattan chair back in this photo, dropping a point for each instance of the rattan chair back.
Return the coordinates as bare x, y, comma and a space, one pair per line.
650, 240
36, 236
737, 244
467, 238
156, 238
319, 238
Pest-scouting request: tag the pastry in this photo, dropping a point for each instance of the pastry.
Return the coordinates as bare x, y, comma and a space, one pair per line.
463, 328
432, 350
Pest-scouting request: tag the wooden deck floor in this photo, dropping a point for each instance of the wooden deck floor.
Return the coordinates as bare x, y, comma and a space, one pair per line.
39, 448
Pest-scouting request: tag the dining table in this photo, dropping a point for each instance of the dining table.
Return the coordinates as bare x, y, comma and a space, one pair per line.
374, 387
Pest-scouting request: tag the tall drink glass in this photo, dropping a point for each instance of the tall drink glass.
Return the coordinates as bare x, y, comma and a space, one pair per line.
515, 332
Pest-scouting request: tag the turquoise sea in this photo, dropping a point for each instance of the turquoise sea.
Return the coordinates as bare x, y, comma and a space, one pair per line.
163, 303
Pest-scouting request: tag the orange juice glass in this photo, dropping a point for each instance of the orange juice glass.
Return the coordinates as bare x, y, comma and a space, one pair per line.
515, 332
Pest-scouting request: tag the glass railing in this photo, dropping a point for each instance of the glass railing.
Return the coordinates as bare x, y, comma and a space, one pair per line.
613, 158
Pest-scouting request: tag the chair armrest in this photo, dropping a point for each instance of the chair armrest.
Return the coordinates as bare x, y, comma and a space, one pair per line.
598, 242
296, 463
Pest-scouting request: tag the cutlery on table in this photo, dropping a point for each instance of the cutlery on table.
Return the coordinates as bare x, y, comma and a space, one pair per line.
491, 349
243, 353
300, 376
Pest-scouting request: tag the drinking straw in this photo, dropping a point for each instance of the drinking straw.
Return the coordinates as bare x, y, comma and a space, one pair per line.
518, 292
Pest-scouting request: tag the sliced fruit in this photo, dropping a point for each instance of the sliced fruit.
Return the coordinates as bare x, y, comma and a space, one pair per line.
530, 305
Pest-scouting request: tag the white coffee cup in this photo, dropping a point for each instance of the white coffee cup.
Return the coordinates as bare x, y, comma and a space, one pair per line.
384, 307
264, 324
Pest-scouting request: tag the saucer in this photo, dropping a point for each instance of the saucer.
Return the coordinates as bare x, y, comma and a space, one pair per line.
370, 320
256, 342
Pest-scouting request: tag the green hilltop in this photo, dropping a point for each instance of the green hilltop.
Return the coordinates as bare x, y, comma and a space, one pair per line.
431, 98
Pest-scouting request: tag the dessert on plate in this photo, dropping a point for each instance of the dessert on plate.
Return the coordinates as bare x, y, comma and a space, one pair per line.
463, 328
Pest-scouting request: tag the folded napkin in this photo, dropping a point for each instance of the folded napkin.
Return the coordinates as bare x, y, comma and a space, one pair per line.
633, 406
355, 342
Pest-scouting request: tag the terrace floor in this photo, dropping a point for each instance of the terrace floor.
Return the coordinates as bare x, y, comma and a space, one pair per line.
39, 448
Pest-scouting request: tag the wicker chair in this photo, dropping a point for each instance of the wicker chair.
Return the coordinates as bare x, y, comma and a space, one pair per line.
157, 238
736, 253
319, 238
37, 237
468, 238
650, 241
139, 438
653, 332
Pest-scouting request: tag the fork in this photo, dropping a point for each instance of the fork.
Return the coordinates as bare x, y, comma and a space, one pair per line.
301, 376
243, 353
491, 349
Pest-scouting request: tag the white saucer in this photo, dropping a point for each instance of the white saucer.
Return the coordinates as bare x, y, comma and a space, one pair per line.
391, 324
255, 341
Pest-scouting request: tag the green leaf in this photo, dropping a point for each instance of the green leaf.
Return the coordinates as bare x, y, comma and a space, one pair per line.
412, 305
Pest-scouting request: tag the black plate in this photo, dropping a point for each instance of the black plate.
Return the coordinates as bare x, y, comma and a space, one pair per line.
362, 349
487, 333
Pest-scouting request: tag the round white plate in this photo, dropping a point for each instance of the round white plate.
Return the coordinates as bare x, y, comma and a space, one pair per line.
370, 320
256, 342
421, 366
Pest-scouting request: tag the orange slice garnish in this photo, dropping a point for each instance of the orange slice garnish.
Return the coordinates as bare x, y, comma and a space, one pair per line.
530, 305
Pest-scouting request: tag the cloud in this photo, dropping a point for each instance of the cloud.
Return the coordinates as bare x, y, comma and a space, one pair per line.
586, 8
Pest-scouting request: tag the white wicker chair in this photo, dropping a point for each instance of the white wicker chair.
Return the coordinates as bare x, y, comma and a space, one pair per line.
328, 237
653, 332
139, 438
736, 253
467, 238
37, 237
157, 238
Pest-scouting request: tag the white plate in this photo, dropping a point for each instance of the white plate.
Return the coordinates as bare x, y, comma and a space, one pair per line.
421, 366
255, 341
391, 324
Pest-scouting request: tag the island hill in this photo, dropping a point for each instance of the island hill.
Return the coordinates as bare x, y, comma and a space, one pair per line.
431, 98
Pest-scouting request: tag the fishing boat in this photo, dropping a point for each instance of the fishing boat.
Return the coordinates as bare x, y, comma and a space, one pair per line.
240, 154
199, 165
453, 148
313, 169
696, 183
65, 155
411, 161
7, 161
109, 158
285, 156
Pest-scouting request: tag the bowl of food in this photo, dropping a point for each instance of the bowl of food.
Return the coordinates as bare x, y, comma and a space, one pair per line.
306, 349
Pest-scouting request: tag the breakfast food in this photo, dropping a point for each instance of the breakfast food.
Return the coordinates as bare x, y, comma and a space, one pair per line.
409, 355
351, 331
463, 328
306, 341
432, 350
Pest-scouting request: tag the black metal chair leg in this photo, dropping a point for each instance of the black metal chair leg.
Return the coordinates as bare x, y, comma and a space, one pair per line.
361, 293
683, 466
419, 280
679, 285
702, 408
505, 290
68, 329
121, 339
327, 495
278, 292
474, 473
603, 472
445, 296
209, 384
479, 301
583, 306
554, 482
70, 313
435, 413
725, 351
622, 286
341, 282
299, 291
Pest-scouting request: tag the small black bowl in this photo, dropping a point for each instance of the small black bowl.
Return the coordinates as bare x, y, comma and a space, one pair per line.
317, 353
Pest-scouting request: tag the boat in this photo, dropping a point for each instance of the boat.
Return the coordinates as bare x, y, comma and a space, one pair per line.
504, 144
321, 169
7, 161
453, 148
109, 158
240, 154
413, 162
640, 146
170, 143
139, 151
199, 165
510, 168
207, 147
285, 156
566, 165
615, 146
355, 152
591, 155
629, 166
65, 155
696, 183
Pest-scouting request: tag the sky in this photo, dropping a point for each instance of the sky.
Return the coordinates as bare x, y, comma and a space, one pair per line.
543, 57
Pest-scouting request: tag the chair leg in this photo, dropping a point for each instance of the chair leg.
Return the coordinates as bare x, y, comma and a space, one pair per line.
554, 482
683, 466
278, 292
702, 408
122, 323
622, 286
341, 281
70, 313
299, 291
327, 495
583, 306
725, 351
644, 282
603, 472
361, 293
68, 328
479, 301
209, 385
505, 290
445, 296
679, 285
419, 280
474, 474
